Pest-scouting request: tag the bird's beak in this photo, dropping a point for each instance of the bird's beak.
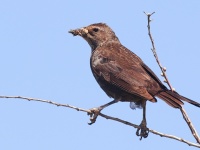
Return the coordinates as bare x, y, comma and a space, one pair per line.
80, 32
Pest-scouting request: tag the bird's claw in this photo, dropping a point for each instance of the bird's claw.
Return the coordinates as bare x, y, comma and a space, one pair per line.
94, 112
142, 131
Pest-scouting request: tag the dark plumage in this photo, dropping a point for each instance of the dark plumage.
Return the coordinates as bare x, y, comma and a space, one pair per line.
122, 74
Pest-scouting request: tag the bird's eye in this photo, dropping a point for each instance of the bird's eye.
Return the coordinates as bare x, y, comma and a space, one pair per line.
95, 29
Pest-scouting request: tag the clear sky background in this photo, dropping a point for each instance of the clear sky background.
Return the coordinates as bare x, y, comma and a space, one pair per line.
40, 59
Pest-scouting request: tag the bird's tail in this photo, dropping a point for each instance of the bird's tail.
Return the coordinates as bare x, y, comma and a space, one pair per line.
173, 99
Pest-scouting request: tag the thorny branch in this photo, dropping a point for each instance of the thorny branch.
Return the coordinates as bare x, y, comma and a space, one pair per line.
185, 116
104, 116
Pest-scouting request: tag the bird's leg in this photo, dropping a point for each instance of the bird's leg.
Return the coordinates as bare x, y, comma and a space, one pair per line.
94, 112
143, 131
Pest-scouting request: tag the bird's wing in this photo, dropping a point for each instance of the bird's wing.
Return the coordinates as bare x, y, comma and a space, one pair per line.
121, 68
152, 75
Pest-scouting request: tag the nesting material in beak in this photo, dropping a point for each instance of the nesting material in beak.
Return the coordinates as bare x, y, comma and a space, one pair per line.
81, 32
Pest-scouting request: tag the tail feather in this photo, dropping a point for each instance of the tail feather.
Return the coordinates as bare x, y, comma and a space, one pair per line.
184, 98
168, 101
174, 99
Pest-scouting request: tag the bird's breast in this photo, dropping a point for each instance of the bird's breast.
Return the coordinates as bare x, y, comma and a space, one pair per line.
96, 60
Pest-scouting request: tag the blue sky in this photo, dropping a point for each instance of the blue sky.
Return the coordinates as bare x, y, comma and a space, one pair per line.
40, 59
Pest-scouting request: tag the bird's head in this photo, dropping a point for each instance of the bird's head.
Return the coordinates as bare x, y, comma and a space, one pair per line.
96, 34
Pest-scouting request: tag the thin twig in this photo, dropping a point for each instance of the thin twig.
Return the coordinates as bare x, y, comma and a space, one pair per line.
185, 116
150, 130
104, 116
192, 129
154, 51
47, 101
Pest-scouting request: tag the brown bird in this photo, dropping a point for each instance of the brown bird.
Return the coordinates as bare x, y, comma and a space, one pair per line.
123, 75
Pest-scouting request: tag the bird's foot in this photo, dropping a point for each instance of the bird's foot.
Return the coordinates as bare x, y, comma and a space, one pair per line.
142, 131
94, 112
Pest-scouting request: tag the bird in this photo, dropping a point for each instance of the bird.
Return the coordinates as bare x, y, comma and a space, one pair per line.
123, 75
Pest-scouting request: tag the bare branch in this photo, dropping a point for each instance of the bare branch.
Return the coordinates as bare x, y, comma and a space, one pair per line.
190, 125
47, 101
150, 130
104, 116
163, 69
185, 116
